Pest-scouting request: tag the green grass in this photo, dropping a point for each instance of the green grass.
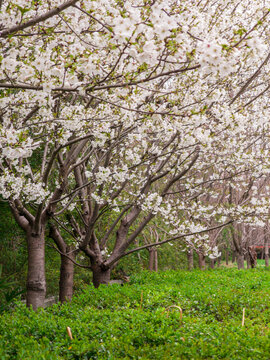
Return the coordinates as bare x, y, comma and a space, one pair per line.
131, 322
260, 264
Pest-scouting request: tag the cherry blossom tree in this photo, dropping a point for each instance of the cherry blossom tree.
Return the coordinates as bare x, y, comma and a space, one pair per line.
134, 107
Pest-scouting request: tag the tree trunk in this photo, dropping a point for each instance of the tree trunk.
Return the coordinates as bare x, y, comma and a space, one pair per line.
266, 250
155, 260
36, 281
67, 266
252, 255
248, 261
100, 276
66, 276
151, 259
233, 256
190, 259
227, 256
212, 263
240, 261
202, 264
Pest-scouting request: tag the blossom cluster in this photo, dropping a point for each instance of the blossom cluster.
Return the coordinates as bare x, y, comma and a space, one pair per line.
160, 99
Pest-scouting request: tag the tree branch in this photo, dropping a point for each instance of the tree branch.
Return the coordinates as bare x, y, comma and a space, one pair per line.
37, 19
94, 88
22, 210
179, 176
253, 77
166, 241
106, 236
20, 219
74, 262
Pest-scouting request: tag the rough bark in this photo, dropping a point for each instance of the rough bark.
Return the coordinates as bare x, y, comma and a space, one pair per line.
151, 259
190, 259
202, 264
100, 276
66, 276
240, 261
36, 281
238, 245
252, 255
155, 260
67, 266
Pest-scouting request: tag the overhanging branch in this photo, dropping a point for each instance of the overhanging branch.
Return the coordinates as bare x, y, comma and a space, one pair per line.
37, 19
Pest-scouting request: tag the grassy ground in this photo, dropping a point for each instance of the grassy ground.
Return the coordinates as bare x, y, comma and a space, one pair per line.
136, 321
260, 264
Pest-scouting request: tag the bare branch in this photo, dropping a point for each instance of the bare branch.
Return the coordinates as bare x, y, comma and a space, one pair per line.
20, 219
22, 211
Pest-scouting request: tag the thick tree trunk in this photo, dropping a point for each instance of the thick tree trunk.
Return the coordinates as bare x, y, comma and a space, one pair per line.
190, 259
36, 281
100, 276
240, 261
66, 276
155, 260
237, 240
202, 264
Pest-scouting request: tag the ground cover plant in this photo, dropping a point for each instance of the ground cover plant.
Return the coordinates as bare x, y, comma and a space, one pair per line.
134, 321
